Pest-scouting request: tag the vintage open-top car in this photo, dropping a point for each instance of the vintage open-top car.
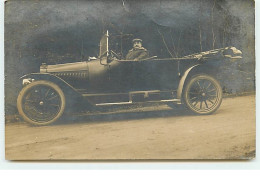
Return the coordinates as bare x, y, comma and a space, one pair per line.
110, 80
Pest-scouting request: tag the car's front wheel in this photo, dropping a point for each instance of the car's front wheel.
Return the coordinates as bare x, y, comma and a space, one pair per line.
41, 102
202, 94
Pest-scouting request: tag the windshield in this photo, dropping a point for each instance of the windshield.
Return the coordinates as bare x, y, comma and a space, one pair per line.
103, 51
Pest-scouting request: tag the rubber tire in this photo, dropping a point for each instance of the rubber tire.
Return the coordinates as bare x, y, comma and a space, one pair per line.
190, 82
31, 85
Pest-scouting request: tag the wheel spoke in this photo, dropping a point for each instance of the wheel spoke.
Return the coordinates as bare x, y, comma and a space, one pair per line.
211, 101
54, 105
196, 102
30, 101
200, 104
212, 90
41, 93
32, 108
51, 98
213, 95
203, 85
198, 84
208, 85
205, 101
30, 105
194, 98
193, 92
46, 94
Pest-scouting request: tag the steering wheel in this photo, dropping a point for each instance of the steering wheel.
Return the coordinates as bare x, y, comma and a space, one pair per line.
114, 55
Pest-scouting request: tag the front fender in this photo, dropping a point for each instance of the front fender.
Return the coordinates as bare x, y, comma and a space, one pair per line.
66, 87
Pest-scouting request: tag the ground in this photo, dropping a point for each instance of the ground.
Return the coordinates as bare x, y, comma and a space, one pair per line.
151, 132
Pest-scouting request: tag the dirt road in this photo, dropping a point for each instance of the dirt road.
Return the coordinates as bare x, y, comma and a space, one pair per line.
161, 134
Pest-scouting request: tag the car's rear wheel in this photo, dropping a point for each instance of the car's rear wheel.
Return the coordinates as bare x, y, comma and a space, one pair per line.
41, 102
202, 94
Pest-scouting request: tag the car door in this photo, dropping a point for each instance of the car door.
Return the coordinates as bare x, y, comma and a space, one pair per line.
154, 74
121, 76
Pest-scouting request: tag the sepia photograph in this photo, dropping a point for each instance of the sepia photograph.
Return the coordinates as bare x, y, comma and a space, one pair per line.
129, 80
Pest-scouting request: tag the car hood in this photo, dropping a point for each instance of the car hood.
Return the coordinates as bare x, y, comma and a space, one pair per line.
66, 67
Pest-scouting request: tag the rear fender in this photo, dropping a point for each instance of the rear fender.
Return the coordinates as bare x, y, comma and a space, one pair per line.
195, 69
182, 81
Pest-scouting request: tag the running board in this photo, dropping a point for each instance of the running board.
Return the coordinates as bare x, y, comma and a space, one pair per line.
178, 101
108, 104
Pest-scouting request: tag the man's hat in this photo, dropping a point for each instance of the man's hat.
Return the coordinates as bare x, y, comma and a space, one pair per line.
137, 40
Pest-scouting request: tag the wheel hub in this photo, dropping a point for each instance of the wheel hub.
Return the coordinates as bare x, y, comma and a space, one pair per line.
203, 94
41, 103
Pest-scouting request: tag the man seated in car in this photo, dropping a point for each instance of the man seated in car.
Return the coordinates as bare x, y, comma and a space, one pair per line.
137, 52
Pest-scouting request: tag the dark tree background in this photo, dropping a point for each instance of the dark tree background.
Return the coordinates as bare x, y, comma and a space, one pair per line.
56, 31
